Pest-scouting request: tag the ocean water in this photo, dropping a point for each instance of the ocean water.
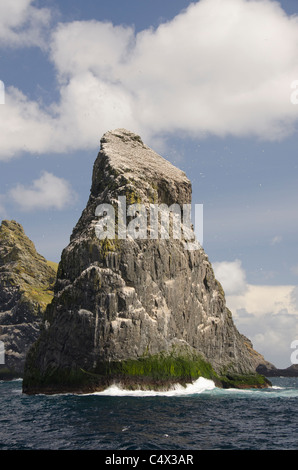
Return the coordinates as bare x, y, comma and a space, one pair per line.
199, 417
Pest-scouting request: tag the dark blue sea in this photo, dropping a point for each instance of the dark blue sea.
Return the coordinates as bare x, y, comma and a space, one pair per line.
200, 417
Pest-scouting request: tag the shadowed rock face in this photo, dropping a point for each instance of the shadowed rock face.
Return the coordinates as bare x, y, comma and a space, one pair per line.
143, 312
26, 287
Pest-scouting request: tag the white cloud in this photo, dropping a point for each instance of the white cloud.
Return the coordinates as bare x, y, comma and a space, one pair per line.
262, 299
22, 24
294, 297
275, 240
24, 126
271, 333
110, 46
220, 67
232, 276
266, 314
47, 192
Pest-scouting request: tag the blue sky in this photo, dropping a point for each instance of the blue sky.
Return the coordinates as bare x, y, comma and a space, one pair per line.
206, 84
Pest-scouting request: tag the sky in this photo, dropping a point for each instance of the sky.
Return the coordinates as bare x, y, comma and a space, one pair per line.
211, 85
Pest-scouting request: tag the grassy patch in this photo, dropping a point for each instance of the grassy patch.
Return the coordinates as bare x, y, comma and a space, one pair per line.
158, 367
53, 265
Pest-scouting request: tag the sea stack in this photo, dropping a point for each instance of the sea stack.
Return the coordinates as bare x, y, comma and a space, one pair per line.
26, 287
131, 308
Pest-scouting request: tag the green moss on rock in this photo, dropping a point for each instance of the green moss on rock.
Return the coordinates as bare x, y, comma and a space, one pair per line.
159, 371
245, 381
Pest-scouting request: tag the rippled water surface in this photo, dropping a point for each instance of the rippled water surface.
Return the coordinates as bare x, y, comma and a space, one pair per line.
201, 417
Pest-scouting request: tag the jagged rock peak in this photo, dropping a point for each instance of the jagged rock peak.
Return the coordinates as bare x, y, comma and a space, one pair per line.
14, 244
127, 153
125, 166
137, 311
19, 259
12, 236
126, 160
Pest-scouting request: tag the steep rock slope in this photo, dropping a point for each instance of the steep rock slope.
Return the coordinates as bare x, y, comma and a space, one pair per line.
139, 311
26, 287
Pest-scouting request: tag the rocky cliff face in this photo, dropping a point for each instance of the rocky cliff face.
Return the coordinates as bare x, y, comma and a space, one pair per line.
135, 309
26, 287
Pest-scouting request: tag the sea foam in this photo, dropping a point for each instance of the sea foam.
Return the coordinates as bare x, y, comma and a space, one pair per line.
199, 386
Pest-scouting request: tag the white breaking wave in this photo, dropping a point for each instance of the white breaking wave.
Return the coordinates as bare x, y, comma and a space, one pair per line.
199, 386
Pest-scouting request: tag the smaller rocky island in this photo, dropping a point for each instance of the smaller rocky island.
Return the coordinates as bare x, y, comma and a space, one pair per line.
272, 371
26, 288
